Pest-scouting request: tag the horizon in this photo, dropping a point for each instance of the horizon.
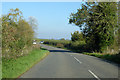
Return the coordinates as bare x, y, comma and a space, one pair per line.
52, 17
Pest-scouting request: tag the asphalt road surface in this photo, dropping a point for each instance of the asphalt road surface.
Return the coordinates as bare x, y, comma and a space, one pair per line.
62, 63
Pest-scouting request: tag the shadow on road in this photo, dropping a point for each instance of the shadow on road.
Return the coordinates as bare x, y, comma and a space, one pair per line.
43, 48
60, 51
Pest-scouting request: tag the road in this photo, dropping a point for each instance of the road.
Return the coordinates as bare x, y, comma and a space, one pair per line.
62, 63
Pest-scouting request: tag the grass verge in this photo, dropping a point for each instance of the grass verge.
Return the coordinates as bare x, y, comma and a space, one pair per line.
111, 57
13, 68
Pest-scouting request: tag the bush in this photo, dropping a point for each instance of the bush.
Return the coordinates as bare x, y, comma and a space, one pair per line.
76, 36
78, 45
59, 45
17, 35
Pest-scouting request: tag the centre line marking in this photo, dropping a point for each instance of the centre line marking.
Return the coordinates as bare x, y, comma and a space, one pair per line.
94, 75
77, 60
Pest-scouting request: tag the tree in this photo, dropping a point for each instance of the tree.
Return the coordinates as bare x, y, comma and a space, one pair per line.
119, 38
119, 26
99, 21
62, 39
33, 23
17, 35
76, 36
0, 33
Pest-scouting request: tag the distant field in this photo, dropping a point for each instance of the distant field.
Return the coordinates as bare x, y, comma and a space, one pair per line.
57, 43
77, 46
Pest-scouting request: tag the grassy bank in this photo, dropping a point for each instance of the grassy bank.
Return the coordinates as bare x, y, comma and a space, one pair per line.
13, 68
111, 57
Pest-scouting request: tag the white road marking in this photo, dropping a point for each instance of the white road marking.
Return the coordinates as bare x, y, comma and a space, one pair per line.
94, 75
77, 60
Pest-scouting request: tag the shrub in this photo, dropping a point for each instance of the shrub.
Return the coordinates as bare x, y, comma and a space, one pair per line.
17, 35
76, 36
59, 45
78, 45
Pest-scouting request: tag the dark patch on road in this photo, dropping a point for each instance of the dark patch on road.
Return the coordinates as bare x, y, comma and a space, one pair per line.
59, 51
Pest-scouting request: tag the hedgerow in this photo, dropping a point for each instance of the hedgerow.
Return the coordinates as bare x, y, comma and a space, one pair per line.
17, 34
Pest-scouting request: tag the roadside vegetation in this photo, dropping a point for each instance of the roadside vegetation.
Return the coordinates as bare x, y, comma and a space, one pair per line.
99, 36
100, 32
17, 35
18, 51
100, 28
58, 43
13, 68
81, 47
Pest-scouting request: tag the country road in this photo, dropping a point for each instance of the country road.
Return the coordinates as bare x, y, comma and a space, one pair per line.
62, 63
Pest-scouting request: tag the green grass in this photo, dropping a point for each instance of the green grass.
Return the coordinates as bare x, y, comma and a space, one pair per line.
0, 68
13, 68
111, 57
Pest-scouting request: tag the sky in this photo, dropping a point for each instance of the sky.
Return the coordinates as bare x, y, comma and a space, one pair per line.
52, 17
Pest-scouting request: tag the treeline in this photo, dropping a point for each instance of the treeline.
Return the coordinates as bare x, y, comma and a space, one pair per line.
99, 24
17, 34
78, 46
58, 43
100, 29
